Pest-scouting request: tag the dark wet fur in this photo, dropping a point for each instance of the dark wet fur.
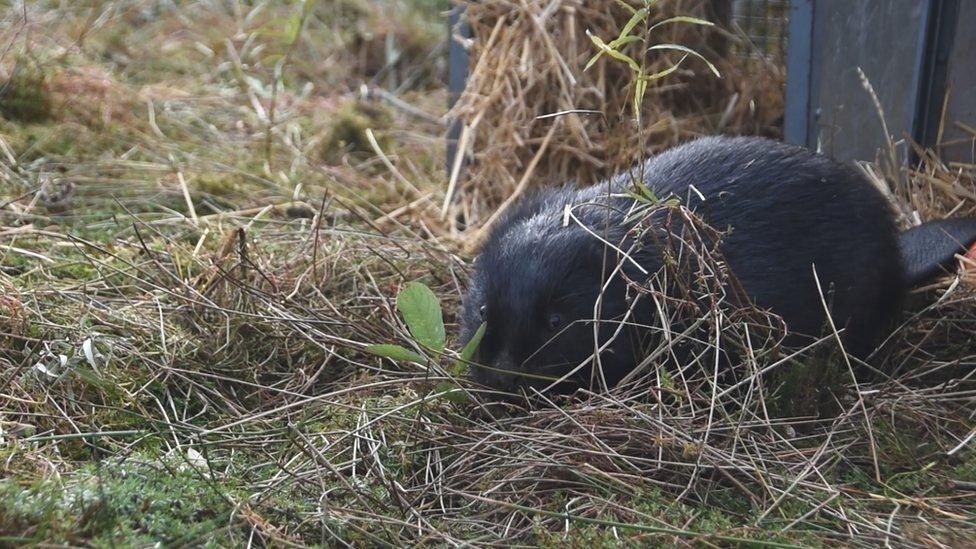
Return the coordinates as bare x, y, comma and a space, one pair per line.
789, 211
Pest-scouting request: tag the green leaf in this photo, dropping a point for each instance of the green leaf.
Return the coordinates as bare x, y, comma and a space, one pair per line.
667, 71
452, 392
689, 51
682, 19
647, 192
468, 351
91, 377
604, 48
635, 197
638, 17
615, 45
421, 312
295, 24
592, 60
297, 21
626, 6
395, 352
294, 27
623, 41
666, 380
640, 88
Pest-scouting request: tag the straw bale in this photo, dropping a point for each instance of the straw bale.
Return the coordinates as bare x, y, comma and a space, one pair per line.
527, 61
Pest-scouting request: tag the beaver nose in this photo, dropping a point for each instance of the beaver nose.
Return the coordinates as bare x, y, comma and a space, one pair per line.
501, 374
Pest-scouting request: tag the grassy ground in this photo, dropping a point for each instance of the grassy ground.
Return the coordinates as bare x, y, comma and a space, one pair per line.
205, 223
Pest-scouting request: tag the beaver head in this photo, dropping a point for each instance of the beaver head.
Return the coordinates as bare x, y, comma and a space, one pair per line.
551, 296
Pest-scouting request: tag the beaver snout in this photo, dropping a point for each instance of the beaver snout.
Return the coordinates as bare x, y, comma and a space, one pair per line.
502, 374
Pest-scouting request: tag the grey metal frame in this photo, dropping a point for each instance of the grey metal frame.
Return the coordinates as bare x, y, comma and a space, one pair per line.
800, 120
927, 87
932, 66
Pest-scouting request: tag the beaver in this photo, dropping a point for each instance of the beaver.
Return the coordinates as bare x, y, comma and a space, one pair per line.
799, 230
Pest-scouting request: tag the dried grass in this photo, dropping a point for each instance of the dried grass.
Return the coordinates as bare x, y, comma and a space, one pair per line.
233, 345
259, 339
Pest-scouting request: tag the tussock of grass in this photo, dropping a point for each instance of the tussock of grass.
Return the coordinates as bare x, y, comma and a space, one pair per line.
24, 95
192, 375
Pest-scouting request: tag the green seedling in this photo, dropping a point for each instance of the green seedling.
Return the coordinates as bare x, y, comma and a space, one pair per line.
421, 312
639, 21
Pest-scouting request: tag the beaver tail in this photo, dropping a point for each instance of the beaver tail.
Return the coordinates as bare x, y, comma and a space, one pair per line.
930, 248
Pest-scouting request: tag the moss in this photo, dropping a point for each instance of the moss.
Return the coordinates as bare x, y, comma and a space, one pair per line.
76, 270
62, 141
218, 184
809, 386
127, 503
26, 96
707, 520
347, 132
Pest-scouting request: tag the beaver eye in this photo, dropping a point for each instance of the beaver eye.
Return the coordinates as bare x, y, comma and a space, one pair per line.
555, 321
483, 312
